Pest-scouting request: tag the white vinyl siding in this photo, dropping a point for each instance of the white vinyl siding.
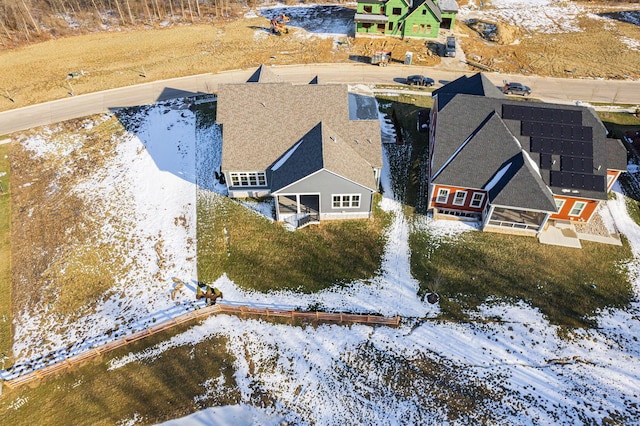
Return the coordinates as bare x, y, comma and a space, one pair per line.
443, 196
248, 178
477, 199
460, 198
345, 201
577, 208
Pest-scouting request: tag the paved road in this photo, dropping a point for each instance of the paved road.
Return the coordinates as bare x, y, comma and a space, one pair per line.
548, 89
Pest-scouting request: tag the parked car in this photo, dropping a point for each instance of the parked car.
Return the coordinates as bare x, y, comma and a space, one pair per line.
516, 89
450, 47
420, 80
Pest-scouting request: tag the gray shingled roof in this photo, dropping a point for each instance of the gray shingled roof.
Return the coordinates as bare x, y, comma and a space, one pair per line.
322, 148
616, 155
480, 157
264, 75
450, 6
521, 187
488, 151
260, 122
463, 117
478, 84
430, 5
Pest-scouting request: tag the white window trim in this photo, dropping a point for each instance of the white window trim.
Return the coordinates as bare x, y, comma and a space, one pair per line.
446, 197
584, 204
352, 202
243, 179
455, 198
473, 200
559, 207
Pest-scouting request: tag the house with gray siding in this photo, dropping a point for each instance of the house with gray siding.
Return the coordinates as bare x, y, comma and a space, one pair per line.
298, 144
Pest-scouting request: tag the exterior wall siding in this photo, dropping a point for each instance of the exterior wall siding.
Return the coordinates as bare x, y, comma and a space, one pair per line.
612, 177
569, 203
328, 184
451, 16
401, 24
372, 29
433, 203
421, 25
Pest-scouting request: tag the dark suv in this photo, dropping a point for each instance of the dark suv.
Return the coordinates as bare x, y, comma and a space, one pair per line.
516, 89
420, 80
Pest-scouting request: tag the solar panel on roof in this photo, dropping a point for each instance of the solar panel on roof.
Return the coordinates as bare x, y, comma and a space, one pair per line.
546, 161
572, 180
576, 164
549, 115
536, 145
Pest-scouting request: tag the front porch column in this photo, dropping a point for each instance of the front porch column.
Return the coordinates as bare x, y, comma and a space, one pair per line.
488, 215
544, 222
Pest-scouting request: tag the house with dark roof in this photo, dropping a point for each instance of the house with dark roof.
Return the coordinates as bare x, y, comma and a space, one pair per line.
298, 144
515, 165
405, 18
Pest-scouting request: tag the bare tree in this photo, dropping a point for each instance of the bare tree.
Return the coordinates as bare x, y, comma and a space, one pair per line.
33, 21
190, 10
120, 11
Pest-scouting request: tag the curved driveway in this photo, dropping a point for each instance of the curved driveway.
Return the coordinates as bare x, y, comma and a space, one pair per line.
546, 88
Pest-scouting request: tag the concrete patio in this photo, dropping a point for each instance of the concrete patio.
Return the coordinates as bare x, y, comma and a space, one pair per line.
566, 235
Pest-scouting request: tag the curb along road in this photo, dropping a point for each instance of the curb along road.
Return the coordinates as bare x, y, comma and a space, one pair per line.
549, 89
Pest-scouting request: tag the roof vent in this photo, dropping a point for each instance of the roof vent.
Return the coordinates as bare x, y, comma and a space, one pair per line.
369, 140
333, 138
356, 141
264, 104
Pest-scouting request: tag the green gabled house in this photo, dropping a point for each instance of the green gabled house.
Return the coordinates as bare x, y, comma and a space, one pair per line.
405, 18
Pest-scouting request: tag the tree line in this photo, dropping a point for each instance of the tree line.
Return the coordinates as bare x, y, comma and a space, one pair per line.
34, 20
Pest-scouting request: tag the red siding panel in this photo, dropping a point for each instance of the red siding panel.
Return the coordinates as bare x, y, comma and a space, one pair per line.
451, 197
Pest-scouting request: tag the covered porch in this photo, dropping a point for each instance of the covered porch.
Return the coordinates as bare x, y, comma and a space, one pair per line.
298, 209
512, 219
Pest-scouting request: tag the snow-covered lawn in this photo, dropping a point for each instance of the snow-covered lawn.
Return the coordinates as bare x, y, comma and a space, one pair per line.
336, 374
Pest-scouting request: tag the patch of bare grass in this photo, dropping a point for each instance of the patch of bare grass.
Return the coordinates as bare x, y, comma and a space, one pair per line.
59, 264
259, 254
454, 393
175, 384
567, 285
6, 337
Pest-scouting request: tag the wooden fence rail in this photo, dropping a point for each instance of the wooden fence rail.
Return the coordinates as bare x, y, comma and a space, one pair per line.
91, 353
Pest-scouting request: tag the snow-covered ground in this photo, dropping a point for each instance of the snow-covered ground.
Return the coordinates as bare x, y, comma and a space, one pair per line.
592, 378
544, 379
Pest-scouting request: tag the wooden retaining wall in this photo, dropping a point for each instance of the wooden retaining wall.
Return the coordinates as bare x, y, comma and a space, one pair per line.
198, 313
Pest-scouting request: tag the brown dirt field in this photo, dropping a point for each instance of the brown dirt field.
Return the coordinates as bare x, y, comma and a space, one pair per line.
596, 52
37, 73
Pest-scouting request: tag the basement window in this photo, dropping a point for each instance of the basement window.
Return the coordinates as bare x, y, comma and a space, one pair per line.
248, 178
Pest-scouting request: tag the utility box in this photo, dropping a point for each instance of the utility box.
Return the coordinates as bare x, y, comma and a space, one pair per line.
381, 58
408, 58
